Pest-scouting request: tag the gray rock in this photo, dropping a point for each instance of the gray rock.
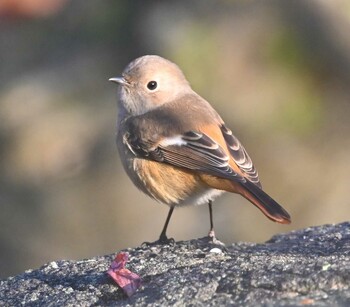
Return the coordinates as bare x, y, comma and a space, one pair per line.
305, 267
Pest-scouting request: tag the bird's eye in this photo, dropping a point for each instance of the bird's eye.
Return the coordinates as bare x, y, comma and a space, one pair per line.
152, 85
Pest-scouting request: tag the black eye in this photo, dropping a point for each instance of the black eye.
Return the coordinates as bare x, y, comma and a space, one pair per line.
152, 85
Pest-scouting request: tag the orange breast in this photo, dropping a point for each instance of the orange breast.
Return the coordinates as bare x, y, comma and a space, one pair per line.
167, 184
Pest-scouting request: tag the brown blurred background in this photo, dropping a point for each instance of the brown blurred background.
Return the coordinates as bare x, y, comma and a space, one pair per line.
277, 71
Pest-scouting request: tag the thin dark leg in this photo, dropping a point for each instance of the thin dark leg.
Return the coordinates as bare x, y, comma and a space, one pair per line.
163, 237
211, 231
211, 215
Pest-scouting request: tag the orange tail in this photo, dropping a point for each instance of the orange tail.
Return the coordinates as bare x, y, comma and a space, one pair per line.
253, 193
265, 203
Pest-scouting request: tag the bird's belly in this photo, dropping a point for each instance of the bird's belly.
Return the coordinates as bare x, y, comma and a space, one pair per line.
201, 197
171, 185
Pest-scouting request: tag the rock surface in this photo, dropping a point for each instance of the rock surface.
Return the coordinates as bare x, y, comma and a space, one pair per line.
305, 267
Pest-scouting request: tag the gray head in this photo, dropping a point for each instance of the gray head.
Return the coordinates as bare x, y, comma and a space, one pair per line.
148, 82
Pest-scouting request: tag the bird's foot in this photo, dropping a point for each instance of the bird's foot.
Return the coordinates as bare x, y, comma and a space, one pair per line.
163, 240
213, 240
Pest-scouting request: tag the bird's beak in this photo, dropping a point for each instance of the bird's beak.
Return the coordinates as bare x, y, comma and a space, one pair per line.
119, 80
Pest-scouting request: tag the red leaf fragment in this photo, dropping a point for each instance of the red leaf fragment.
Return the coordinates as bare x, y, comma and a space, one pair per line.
125, 279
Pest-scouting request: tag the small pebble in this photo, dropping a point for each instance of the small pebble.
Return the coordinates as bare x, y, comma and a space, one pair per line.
216, 250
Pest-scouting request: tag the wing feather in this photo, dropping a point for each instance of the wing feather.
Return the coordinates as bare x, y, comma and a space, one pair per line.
240, 156
192, 150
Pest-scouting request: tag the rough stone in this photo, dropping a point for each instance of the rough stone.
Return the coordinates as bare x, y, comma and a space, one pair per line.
305, 267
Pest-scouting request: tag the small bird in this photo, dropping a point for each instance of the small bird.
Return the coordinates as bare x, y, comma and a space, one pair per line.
176, 148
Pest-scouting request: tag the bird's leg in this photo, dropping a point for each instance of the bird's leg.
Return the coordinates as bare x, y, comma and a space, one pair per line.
163, 238
211, 233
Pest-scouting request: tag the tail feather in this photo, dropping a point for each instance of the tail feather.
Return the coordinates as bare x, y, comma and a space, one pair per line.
265, 203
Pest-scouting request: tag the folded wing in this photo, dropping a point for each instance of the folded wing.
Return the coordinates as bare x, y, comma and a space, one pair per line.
240, 156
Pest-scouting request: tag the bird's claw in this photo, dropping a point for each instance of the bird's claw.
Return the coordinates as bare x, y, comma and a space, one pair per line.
163, 240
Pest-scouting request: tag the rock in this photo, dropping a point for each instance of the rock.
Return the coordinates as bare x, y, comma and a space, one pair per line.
305, 267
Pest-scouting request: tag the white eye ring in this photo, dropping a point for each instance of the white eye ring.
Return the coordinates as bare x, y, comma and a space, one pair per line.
152, 85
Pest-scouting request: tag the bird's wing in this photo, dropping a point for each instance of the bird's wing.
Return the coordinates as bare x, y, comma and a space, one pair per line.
240, 156
191, 150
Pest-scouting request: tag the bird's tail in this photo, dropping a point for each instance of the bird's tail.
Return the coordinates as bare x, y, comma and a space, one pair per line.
265, 203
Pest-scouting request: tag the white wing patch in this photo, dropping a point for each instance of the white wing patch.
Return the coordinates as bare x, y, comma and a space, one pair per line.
176, 140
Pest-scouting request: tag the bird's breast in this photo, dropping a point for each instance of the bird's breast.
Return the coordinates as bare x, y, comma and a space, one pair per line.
168, 184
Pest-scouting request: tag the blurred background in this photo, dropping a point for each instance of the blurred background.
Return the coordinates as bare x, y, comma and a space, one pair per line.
277, 71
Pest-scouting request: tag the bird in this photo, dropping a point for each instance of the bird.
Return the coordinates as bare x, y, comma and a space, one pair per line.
176, 148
